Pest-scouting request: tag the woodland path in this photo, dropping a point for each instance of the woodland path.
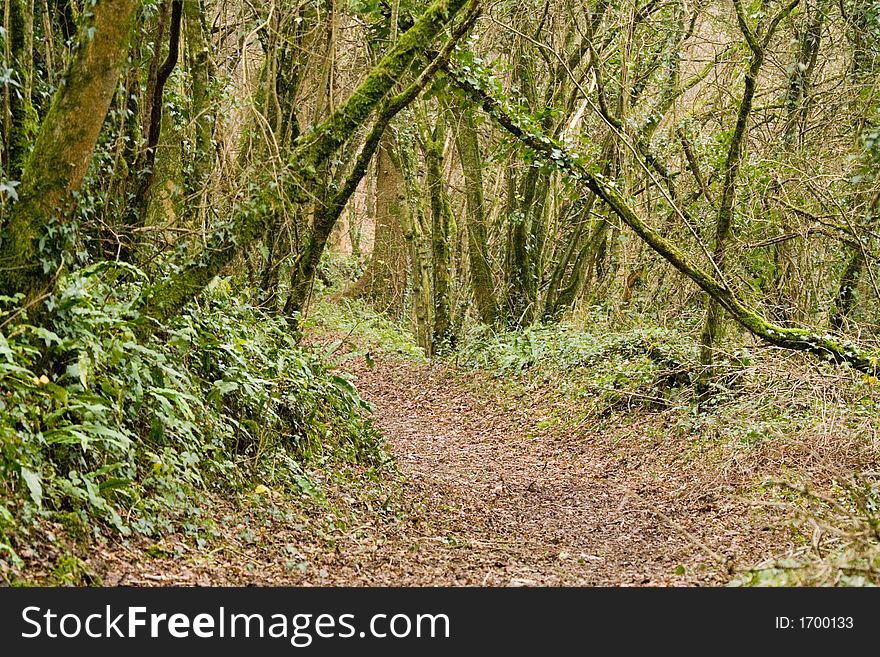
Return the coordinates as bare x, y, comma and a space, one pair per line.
488, 498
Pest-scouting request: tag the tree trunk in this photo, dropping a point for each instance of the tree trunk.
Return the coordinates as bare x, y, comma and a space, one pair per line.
713, 324
800, 75
442, 229
846, 289
62, 153
384, 280
21, 120
203, 104
418, 246
144, 174
482, 283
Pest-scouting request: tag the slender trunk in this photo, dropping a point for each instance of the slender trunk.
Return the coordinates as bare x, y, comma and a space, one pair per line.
203, 104
482, 284
356, 220
846, 288
145, 166
415, 233
525, 199
861, 75
800, 76
21, 120
573, 262
713, 323
442, 228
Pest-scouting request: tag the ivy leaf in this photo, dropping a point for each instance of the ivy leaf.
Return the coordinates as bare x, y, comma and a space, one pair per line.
32, 479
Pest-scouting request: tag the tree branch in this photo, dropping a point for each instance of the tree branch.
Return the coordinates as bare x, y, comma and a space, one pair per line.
821, 344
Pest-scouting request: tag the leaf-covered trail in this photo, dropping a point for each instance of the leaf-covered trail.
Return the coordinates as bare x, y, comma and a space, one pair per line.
512, 504
489, 498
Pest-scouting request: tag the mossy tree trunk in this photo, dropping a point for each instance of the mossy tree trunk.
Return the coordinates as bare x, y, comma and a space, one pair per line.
584, 251
29, 256
272, 134
846, 290
162, 64
21, 121
442, 238
801, 73
862, 75
384, 281
203, 105
415, 232
527, 198
576, 260
482, 283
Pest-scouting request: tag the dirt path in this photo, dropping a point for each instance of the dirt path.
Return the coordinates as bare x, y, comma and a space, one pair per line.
527, 506
490, 499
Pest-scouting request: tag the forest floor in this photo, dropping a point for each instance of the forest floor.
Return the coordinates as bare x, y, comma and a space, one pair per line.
487, 491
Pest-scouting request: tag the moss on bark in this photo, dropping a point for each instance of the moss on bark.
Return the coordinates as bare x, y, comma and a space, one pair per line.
63, 151
442, 228
482, 284
384, 280
168, 298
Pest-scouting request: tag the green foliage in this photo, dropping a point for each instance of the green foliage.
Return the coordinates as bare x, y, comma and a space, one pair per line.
637, 367
871, 144
354, 318
70, 571
560, 346
337, 271
96, 424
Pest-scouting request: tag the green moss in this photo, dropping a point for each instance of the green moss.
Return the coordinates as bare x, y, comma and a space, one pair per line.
70, 570
158, 552
74, 524
481, 276
63, 150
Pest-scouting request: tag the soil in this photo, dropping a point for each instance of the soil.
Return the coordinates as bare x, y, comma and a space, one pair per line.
495, 488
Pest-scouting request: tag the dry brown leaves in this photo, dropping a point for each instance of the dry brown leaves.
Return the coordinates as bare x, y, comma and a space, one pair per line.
491, 495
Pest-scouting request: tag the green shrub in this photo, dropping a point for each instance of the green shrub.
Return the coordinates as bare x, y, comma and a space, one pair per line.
97, 423
635, 368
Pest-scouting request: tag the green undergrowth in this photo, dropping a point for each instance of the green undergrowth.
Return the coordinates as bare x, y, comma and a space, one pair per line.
355, 321
104, 433
634, 369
